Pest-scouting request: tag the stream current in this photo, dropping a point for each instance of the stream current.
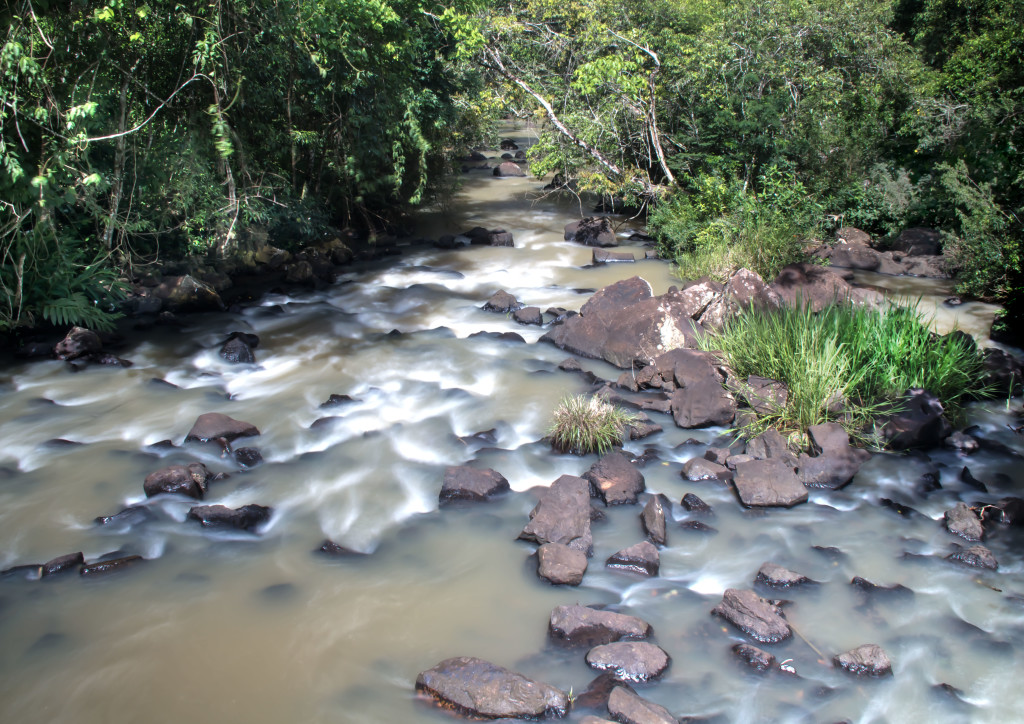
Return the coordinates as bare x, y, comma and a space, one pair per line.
258, 628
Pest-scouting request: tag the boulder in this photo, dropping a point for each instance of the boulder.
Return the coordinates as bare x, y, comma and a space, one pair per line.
745, 289
462, 482
528, 315
755, 658
753, 615
591, 231
615, 480
703, 403
977, 556
695, 505
918, 242
634, 661
831, 470
653, 519
768, 483
585, 626
562, 515
188, 294
508, 168
248, 457
248, 517
641, 558
643, 426
817, 287
866, 660
560, 564
853, 236
78, 343
216, 426
628, 707
918, 422
696, 469
62, 564
855, 256
478, 688
964, 522
624, 323
188, 480
775, 576
502, 301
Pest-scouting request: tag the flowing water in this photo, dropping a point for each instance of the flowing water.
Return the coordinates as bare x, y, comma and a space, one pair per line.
258, 628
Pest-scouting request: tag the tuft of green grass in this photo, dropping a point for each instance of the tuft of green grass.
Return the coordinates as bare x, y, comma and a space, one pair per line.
584, 424
845, 363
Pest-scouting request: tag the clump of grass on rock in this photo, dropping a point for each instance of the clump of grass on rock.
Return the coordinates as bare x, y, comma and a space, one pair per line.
845, 363
585, 424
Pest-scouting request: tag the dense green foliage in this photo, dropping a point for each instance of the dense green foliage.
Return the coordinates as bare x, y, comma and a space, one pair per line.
843, 362
138, 129
584, 424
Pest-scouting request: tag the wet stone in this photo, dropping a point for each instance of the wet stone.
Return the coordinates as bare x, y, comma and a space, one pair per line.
775, 576
628, 707
217, 426
866, 660
633, 661
100, 568
562, 515
615, 480
248, 457
697, 526
465, 483
977, 556
904, 511
584, 626
62, 564
717, 455
697, 469
694, 504
528, 315
653, 519
247, 517
967, 479
641, 558
134, 515
479, 688
753, 615
964, 522
873, 589
334, 400
962, 442
188, 480
754, 657
560, 564
768, 483
236, 351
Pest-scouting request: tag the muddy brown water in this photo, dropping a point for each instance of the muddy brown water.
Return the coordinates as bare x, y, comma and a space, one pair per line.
257, 628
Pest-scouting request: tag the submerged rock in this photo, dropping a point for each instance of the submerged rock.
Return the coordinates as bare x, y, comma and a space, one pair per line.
562, 515
977, 556
866, 660
133, 515
585, 626
755, 658
753, 615
634, 661
465, 483
62, 564
479, 688
217, 426
248, 517
78, 343
100, 568
775, 576
964, 522
560, 564
188, 480
628, 707
591, 231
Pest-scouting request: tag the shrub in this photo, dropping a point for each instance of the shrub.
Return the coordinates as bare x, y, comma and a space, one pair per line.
858, 357
585, 424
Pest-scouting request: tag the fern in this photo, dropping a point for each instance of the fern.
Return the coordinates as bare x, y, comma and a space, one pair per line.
77, 310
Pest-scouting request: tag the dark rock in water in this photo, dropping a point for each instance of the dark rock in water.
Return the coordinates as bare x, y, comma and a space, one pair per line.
560, 564
103, 567
603, 256
962, 442
591, 231
836, 462
904, 511
775, 576
335, 400
236, 351
717, 455
500, 237
1007, 511
248, 457
465, 483
217, 426
585, 626
508, 168
642, 427
507, 144
78, 343
502, 301
188, 294
866, 660
947, 693
696, 469
641, 558
754, 657
768, 483
977, 556
110, 360
964, 522
503, 336
248, 517
483, 437
615, 480
562, 515
653, 519
325, 423
28, 571
918, 423
528, 315
968, 479
63, 564
1002, 371
188, 480
833, 554
330, 548
873, 589
697, 526
479, 688
753, 615
628, 707
134, 515
595, 697
695, 505
634, 661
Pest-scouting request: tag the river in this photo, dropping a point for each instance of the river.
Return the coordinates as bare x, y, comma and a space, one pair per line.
259, 628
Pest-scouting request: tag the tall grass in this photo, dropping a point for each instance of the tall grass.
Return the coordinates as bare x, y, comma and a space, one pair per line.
584, 424
845, 362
